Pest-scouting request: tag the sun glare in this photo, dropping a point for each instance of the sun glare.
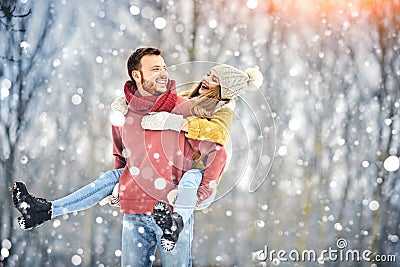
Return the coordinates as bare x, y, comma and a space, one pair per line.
351, 8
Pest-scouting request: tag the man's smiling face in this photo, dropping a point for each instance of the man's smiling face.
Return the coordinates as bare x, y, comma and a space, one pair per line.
153, 73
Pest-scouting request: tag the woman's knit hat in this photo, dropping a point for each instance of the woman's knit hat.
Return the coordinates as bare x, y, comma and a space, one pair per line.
234, 81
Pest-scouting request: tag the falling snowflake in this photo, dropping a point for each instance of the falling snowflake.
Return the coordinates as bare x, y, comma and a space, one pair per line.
391, 163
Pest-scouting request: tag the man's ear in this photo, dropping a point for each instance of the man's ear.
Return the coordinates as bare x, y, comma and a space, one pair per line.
136, 75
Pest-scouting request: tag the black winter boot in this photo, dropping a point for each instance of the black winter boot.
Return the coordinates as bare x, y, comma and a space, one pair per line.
35, 211
171, 224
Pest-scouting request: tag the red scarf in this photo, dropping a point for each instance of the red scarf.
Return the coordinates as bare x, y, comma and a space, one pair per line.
145, 104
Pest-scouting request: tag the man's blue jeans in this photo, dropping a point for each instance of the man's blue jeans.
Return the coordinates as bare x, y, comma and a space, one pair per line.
88, 196
141, 236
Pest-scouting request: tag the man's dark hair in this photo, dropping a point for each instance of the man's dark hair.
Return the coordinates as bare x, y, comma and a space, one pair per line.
134, 59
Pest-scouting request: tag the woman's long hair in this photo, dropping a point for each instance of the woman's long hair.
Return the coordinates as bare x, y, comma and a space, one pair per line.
202, 105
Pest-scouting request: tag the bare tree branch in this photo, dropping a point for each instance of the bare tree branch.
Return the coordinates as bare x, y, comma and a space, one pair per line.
11, 59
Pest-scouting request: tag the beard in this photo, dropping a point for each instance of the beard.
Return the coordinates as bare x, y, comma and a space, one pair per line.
152, 87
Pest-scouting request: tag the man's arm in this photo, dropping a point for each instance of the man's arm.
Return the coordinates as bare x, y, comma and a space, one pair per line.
119, 159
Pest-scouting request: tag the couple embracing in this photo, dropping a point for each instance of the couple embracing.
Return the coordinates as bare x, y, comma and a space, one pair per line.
169, 158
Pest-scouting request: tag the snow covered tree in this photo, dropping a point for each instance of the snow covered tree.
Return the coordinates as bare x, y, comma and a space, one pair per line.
24, 50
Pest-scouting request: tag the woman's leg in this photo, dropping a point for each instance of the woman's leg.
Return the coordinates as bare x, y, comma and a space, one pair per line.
88, 196
187, 193
184, 206
185, 203
35, 211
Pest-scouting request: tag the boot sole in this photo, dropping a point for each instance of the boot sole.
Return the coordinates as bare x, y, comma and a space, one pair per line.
162, 214
167, 245
23, 223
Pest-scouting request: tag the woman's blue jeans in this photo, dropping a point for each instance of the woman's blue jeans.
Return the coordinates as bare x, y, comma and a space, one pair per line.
88, 196
186, 201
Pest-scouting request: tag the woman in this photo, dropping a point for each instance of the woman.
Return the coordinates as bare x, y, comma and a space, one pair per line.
208, 105
212, 99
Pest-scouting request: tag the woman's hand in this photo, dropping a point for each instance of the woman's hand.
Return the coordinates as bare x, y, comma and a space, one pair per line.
185, 126
162, 121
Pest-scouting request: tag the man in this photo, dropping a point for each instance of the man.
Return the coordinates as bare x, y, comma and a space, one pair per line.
154, 162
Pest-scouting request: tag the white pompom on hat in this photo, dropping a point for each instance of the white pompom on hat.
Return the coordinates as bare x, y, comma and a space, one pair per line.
234, 81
